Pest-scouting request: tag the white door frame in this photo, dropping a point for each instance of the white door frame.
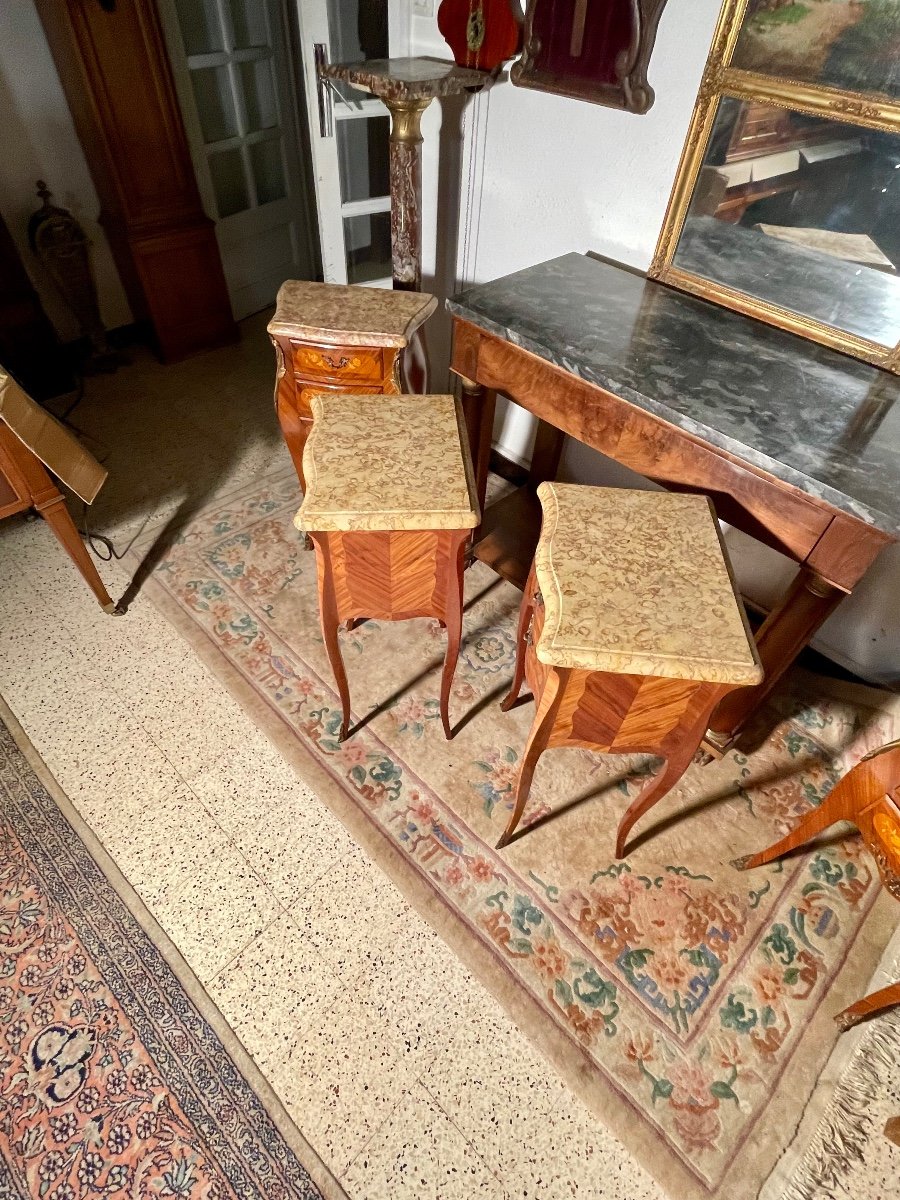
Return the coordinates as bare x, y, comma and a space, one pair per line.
312, 28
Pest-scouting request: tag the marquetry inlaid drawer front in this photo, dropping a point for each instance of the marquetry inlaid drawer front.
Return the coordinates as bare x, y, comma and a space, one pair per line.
339, 363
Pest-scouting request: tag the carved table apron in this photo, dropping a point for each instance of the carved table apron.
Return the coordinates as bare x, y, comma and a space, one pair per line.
603, 322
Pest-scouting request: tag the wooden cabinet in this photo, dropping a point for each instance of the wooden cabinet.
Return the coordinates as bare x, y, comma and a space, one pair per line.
115, 72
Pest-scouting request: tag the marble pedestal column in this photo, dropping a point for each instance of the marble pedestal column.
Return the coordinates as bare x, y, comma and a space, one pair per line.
407, 86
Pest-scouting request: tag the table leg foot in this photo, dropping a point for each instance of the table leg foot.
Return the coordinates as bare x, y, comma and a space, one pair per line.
57, 516
330, 623
538, 737
784, 633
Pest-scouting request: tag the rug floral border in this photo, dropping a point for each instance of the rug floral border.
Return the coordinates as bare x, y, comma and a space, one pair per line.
583, 1007
66, 886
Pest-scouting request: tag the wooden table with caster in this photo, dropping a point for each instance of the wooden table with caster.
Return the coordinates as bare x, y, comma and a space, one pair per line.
390, 508
630, 632
796, 444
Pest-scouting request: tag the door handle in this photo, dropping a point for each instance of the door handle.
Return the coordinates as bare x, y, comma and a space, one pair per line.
323, 91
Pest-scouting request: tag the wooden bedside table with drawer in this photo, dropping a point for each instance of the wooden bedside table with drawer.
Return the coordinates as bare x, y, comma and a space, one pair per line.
337, 338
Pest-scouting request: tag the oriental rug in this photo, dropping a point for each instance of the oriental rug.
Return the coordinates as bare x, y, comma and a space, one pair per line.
688, 1004
115, 1076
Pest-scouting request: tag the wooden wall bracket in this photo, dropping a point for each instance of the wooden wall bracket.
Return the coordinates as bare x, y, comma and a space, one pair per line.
596, 52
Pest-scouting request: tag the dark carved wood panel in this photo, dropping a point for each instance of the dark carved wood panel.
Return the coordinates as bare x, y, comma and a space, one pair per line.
596, 52
29, 348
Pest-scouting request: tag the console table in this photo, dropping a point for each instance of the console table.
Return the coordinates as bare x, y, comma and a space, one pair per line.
797, 445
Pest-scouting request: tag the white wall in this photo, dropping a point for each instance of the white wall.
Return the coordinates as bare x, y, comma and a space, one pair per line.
38, 141
558, 175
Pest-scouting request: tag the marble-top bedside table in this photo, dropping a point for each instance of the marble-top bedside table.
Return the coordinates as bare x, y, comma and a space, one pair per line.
331, 337
390, 507
630, 632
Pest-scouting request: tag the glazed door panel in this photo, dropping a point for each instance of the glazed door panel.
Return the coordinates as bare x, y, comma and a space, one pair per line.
238, 96
348, 134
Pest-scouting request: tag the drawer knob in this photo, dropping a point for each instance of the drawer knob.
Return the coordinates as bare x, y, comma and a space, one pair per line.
337, 364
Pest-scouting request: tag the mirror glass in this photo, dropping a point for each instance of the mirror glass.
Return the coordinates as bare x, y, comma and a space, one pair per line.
800, 211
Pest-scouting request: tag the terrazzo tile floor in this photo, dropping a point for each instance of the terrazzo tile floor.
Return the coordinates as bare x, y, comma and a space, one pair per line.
395, 1063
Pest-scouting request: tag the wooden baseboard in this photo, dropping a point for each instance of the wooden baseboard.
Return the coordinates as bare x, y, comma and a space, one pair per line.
507, 469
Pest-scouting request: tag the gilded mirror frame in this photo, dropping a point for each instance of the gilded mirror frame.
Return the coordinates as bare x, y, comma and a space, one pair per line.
864, 109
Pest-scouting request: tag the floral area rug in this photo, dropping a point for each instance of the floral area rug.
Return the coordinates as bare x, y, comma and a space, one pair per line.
113, 1081
689, 1004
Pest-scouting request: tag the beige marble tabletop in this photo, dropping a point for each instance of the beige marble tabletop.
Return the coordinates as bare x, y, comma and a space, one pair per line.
638, 583
349, 314
387, 462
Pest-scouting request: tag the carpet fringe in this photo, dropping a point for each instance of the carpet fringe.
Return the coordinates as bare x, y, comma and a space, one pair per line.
842, 1133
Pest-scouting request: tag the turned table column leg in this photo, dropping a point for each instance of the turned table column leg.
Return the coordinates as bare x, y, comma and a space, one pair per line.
406, 219
807, 603
478, 405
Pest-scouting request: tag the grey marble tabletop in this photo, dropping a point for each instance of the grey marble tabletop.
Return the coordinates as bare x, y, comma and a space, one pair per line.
817, 419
